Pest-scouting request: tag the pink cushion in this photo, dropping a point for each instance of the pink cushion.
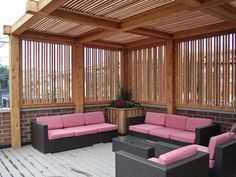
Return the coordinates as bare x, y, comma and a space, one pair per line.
104, 127
193, 123
185, 136
218, 140
53, 122
163, 132
155, 118
82, 130
59, 133
177, 155
211, 163
94, 118
201, 148
73, 120
175, 121
154, 159
143, 128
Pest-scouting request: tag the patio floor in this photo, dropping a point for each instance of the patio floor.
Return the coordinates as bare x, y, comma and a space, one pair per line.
97, 161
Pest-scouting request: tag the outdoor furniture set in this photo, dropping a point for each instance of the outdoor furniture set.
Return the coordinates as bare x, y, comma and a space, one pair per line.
216, 159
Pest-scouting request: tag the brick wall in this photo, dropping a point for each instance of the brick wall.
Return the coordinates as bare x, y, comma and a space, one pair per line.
153, 108
5, 129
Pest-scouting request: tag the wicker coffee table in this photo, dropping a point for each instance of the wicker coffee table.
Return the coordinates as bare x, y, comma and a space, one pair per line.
137, 146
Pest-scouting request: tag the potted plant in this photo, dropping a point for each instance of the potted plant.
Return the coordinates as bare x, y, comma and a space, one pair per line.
121, 108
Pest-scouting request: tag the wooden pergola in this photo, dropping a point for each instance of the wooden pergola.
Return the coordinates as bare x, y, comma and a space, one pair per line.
139, 30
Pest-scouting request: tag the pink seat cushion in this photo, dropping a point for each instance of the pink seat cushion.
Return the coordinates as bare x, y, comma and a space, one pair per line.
53, 122
154, 159
211, 163
177, 155
82, 130
201, 148
94, 118
155, 118
218, 140
59, 133
175, 121
193, 123
164, 132
143, 128
73, 120
185, 136
104, 127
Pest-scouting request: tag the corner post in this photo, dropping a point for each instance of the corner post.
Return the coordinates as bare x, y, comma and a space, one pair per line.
170, 69
15, 90
78, 77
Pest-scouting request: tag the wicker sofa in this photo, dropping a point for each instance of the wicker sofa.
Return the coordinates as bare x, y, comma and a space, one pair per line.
175, 129
172, 162
70, 131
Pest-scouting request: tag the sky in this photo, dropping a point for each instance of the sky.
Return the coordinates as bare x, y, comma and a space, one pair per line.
10, 12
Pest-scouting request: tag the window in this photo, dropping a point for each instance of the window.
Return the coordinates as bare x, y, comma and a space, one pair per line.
147, 74
102, 74
46, 72
206, 71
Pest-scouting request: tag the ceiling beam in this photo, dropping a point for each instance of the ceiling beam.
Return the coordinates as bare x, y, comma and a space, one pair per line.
105, 44
150, 33
210, 29
139, 20
6, 30
44, 8
84, 19
143, 42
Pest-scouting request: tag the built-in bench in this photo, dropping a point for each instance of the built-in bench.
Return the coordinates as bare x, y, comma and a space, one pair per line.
65, 132
175, 129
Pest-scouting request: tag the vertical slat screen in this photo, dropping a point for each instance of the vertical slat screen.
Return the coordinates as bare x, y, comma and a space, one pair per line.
206, 72
46, 72
147, 74
102, 74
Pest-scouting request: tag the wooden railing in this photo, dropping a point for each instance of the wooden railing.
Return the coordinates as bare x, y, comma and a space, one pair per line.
103, 74
206, 72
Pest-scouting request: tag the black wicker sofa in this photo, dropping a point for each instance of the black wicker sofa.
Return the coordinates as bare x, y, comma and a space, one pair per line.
64, 132
181, 130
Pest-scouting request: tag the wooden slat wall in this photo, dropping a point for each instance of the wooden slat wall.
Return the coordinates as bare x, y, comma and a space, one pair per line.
103, 77
46, 73
147, 74
206, 72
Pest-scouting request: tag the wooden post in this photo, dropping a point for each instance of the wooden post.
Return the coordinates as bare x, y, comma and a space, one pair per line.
78, 77
15, 91
170, 69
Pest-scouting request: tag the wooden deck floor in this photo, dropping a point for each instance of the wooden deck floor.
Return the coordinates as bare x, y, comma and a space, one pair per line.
93, 161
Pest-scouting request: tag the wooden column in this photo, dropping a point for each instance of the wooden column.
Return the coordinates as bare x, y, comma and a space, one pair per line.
78, 77
170, 69
15, 91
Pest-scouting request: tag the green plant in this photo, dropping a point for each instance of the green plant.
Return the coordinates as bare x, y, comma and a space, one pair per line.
124, 94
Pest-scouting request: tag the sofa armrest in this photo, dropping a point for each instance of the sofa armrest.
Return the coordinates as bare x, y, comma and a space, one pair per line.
135, 120
163, 147
39, 136
204, 134
225, 160
128, 165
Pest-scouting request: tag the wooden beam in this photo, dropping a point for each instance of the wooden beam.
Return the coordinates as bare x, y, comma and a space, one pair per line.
15, 91
105, 44
31, 7
6, 30
78, 77
151, 33
152, 15
224, 12
47, 37
84, 19
143, 42
45, 7
215, 28
170, 70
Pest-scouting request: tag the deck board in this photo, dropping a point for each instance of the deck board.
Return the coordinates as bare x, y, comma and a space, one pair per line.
92, 161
